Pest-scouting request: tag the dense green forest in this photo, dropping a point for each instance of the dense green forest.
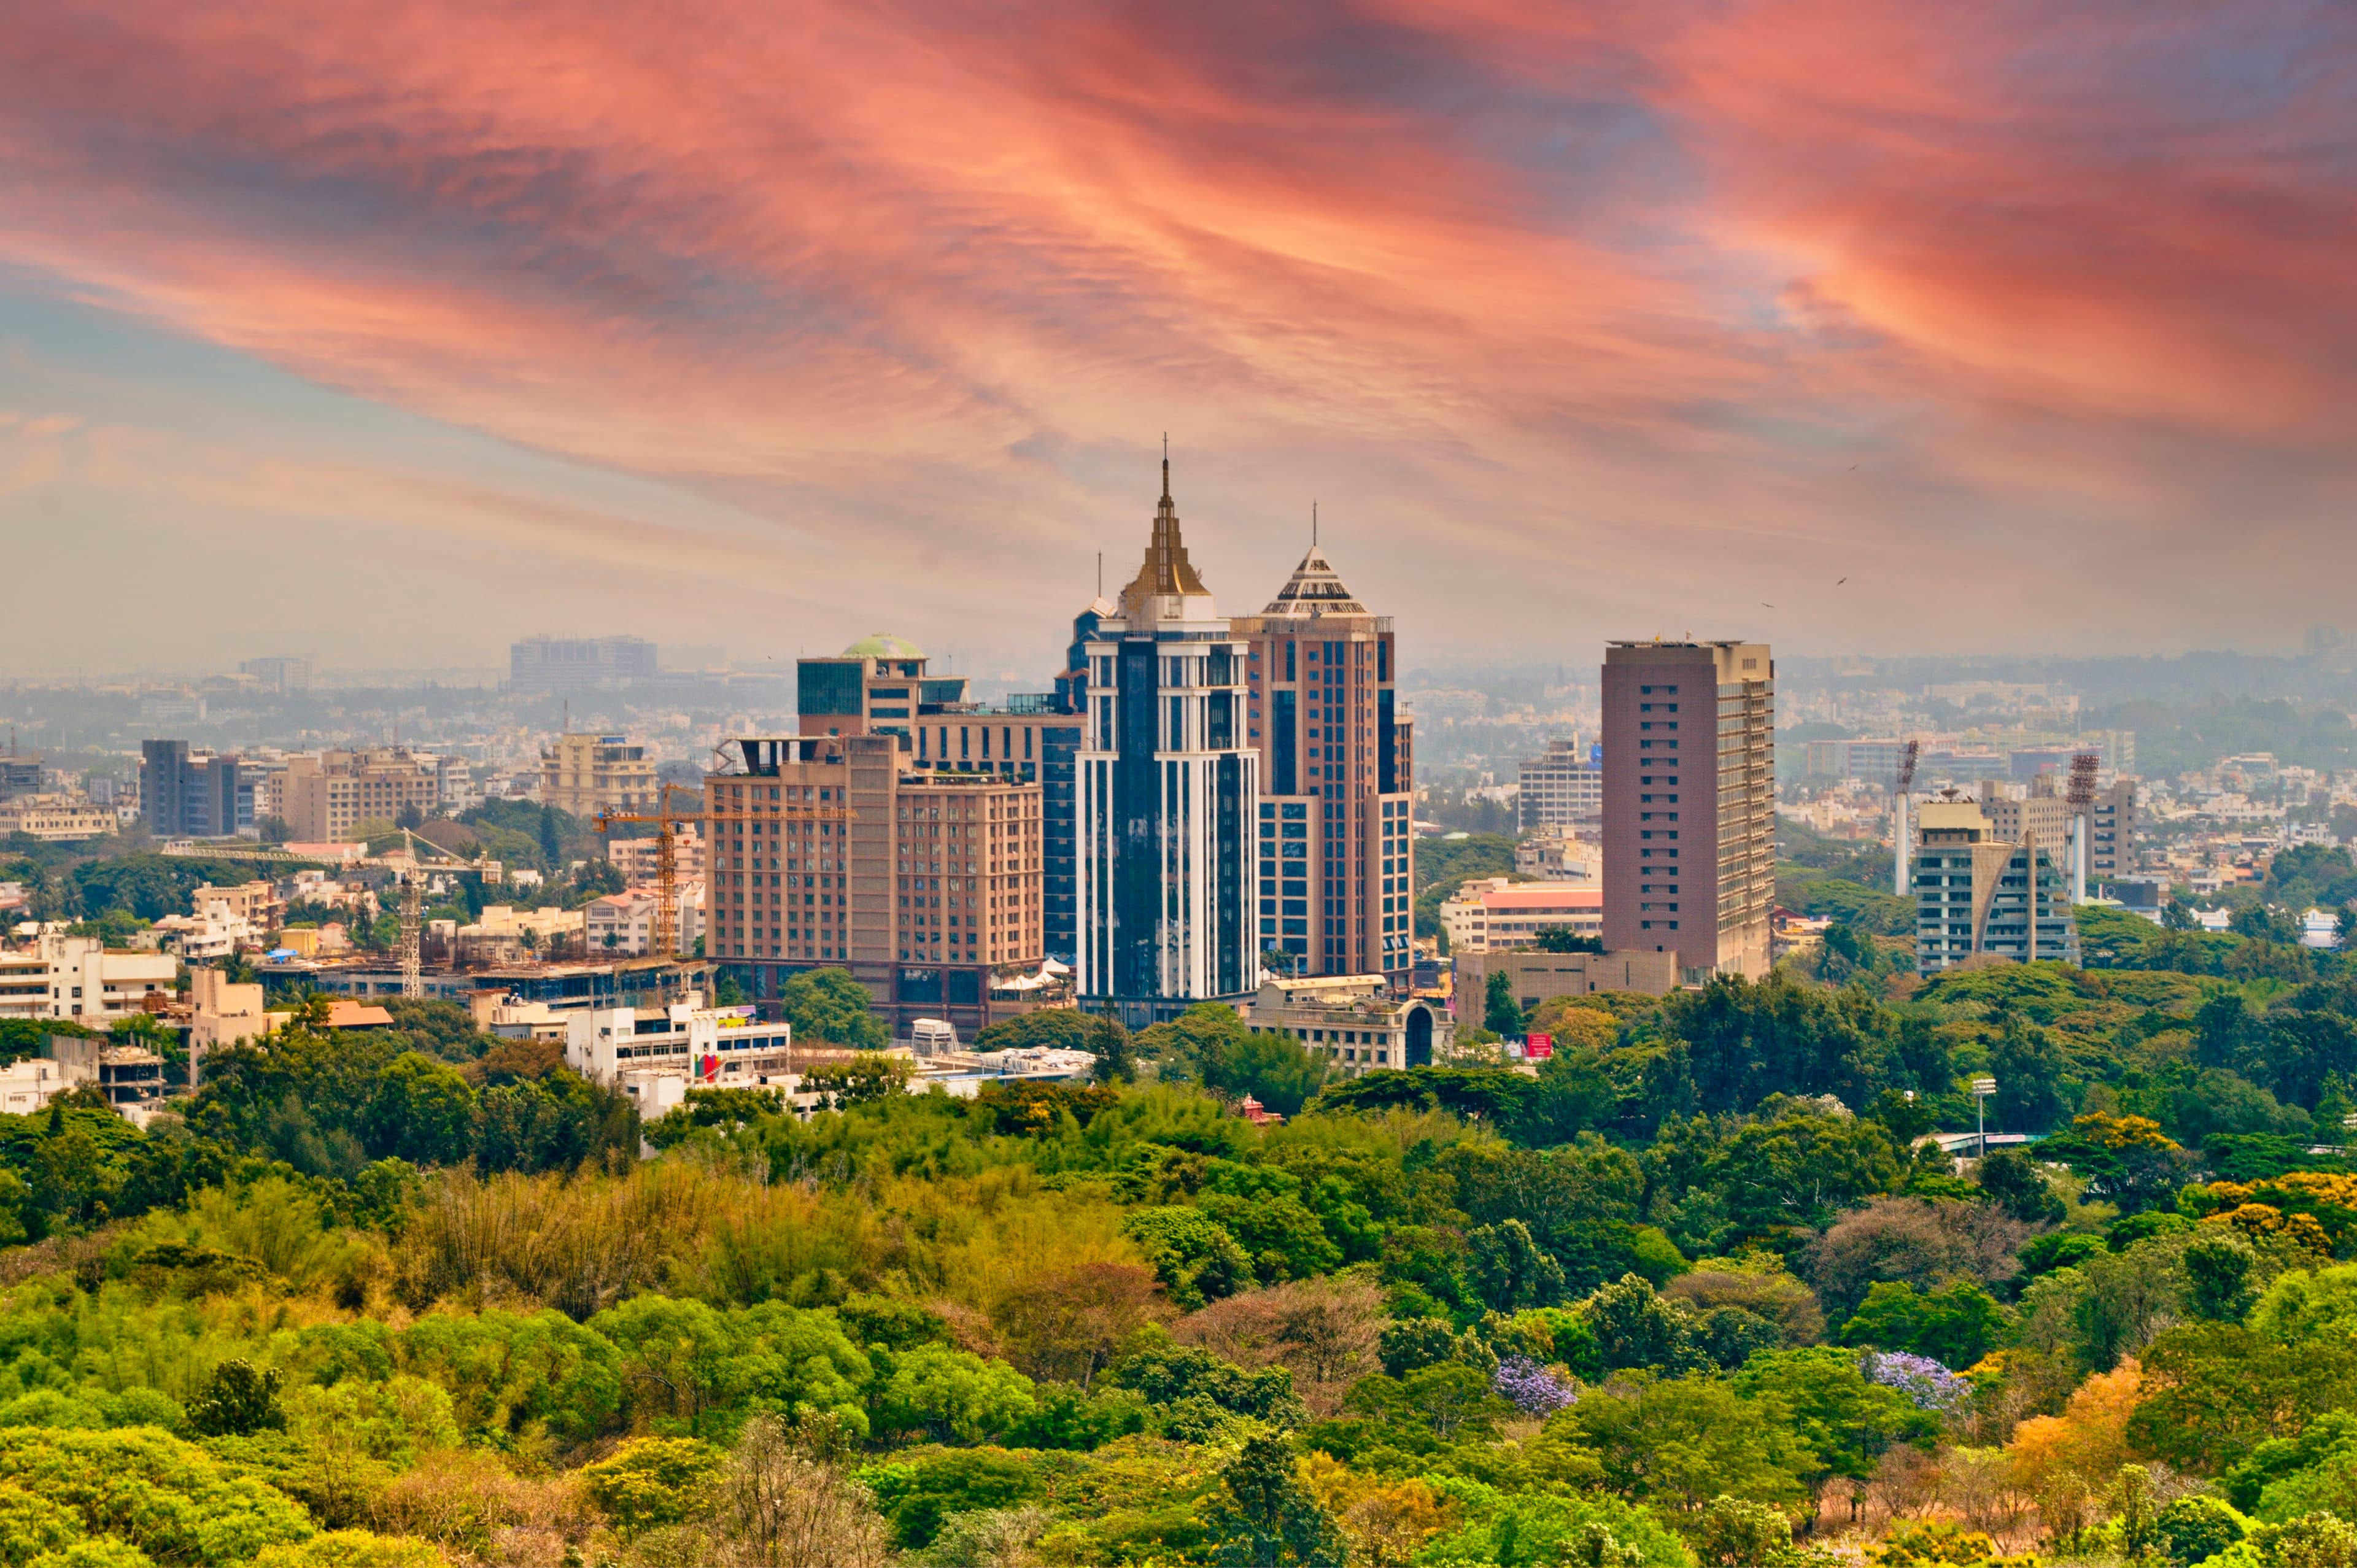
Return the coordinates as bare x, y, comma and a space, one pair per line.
1699, 1291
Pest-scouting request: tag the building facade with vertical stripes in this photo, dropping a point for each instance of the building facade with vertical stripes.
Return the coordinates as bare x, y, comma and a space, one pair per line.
1168, 786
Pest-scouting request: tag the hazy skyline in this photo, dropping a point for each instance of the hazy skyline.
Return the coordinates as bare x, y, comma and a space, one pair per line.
392, 331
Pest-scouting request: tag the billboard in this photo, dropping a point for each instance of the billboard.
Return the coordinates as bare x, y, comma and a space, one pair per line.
1537, 1047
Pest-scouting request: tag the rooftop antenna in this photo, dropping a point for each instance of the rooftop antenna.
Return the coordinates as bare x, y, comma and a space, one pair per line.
1100, 573
1313, 525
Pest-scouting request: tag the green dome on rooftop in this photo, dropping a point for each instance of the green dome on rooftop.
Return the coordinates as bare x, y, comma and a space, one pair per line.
883, 644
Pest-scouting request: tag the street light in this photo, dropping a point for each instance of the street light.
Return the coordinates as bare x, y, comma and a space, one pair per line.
1981, 1088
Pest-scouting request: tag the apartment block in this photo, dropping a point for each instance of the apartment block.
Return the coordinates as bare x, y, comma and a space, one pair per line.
1561, 791
326, 797
1335, 824
587, 774
279, 672
1689, 803
834, 850
2036, 813
1981, 895
2112, 826
571, 663
635, 858
187, 793
80, 978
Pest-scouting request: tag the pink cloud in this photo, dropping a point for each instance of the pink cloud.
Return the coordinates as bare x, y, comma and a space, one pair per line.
1602, 280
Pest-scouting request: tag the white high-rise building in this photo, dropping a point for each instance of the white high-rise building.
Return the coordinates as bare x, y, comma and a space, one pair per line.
1167, 783
1564, 788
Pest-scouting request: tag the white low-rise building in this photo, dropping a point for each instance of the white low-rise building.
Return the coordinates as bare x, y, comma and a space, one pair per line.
657, 1055
81, 977
1495, 912
212, 933
623, 923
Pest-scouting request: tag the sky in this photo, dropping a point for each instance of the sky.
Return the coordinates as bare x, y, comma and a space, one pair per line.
389, 332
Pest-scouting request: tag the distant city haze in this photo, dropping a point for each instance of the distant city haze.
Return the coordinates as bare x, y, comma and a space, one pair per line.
391, 334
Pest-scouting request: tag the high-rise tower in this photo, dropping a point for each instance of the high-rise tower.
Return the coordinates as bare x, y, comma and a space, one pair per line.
1335, 830
1690, 803
1168, 782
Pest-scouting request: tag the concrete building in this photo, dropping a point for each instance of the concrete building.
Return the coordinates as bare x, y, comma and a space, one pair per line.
1335, 823
188, 793
211, 933
586, 774
1170, 791
885, 685
505, 934
2017, 811
1979, 896
1689, 803
1551, 858
57, 819
223, 1013
256, 902
24, 984
1537, 977
328, 798
279, 672
130, 1077
2112, 826
28, 1085
20, 775
1493, 913
834, 850
1873, 762
1561, 792
1357, 1022
572, 663
621, 922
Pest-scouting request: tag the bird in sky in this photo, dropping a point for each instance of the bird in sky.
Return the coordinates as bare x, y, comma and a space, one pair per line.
1839, 581
1765, 605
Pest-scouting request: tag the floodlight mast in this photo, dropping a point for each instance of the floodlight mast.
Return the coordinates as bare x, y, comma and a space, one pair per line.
2081, 800
1900, 789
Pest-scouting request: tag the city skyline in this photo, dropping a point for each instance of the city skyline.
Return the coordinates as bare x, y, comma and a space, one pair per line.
1537, 311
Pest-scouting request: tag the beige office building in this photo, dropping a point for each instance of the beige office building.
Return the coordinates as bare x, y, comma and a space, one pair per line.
328, 798
835, 851
1689, 803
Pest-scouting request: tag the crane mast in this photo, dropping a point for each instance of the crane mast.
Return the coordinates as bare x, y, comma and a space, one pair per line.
667, 823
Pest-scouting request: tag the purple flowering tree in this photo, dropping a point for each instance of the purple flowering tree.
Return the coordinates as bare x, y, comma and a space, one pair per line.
1533, 1389
1928, 1384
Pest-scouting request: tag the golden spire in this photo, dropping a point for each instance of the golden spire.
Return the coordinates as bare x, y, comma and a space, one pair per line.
1167, 571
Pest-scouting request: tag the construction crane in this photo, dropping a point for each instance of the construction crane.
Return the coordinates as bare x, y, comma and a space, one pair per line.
667, 823
412, 872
